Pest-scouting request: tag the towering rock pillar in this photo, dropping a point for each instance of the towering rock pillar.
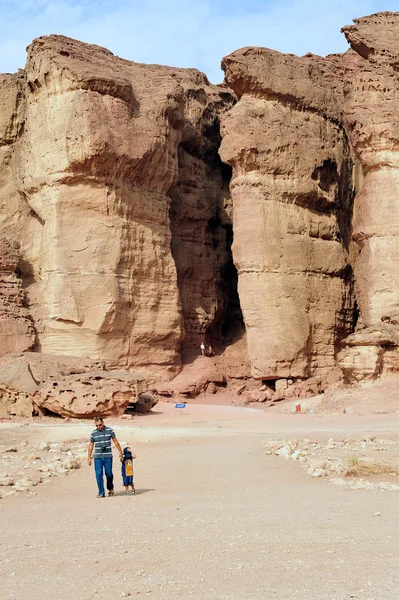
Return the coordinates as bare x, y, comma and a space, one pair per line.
291, 186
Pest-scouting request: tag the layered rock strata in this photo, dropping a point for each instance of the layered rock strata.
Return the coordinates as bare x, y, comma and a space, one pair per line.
96, 144
291, 186
16, 328
111, 183
371, 112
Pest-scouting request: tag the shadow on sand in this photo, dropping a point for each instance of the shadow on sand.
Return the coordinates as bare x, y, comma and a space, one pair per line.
138, 492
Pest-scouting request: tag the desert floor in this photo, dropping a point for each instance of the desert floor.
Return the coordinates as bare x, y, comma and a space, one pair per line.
214, 517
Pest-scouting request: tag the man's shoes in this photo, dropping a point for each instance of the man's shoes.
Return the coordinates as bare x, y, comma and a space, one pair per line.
111, 493
100, 495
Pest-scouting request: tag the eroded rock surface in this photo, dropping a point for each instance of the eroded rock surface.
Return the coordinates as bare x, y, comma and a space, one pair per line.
95, 146
33, 383
89, 394
313, 146
16, 328
371, 111
291, 188
111, 183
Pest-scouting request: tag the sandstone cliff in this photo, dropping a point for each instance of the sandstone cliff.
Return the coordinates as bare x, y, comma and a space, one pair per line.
155, 212
111, 178
292, 195
370, 112
313, 145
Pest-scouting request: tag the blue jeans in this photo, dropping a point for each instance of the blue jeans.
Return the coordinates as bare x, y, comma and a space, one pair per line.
105, 464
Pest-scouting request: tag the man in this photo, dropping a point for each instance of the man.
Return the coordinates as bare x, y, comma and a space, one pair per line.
100, 440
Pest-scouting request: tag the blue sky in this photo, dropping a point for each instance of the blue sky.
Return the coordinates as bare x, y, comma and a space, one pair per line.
184, 33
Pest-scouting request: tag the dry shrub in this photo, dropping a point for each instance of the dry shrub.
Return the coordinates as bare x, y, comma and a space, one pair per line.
359, 468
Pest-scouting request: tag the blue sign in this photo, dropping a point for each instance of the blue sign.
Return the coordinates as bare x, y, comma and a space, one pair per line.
180, 405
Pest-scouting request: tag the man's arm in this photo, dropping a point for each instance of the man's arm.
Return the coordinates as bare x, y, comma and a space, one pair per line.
89, 453
118, 446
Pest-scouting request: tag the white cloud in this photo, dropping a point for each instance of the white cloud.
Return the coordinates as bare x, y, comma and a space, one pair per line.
185, 33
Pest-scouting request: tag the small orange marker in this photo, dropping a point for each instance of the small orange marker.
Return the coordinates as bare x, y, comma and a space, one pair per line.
298, 408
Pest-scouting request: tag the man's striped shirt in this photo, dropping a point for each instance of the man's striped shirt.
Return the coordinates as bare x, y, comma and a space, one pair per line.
102, 442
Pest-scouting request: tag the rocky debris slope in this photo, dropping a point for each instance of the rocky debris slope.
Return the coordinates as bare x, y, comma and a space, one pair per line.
204, 374
24, 466
369, 463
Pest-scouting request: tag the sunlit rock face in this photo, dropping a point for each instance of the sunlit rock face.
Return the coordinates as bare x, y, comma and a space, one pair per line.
308, 136
371, 114
92, 157
291, 191
124, 213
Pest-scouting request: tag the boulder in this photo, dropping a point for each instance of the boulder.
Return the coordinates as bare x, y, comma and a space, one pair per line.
21, 374
89, 394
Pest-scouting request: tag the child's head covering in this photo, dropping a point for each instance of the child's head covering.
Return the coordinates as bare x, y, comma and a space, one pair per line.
127, 453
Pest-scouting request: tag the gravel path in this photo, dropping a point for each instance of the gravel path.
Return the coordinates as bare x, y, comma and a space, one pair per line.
214, 518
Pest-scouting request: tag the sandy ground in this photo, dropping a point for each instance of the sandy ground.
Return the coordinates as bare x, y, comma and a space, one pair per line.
214, 517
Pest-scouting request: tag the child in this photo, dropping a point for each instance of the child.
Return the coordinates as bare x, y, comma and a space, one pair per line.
127, 469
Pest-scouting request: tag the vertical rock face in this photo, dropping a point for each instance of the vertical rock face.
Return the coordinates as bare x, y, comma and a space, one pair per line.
93, 167
291, 186
111, 184
371, 114
307, 135
16, 329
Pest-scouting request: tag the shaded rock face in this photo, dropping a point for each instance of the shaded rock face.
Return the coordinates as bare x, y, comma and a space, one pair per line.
200, 222
16, 328
95, 146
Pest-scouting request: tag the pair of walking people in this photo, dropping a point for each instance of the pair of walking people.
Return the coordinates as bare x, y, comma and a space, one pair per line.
101, 443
